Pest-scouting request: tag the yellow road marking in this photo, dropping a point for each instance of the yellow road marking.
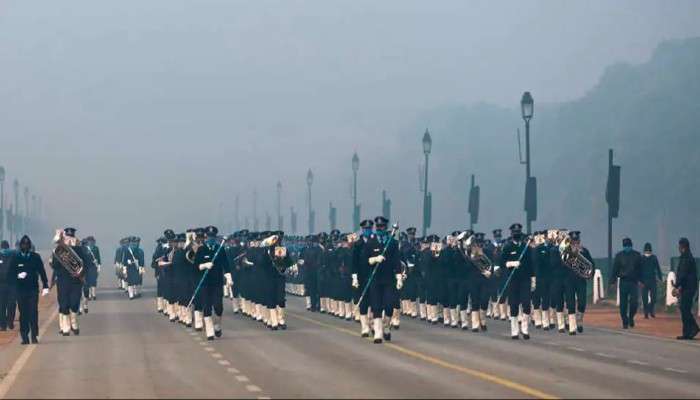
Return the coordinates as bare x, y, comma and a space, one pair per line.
529, 391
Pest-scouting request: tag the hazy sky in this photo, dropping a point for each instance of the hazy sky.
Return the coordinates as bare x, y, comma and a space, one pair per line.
130, 116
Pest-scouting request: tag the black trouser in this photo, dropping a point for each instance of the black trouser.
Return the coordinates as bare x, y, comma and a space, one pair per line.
452, 293
381, 298
480, 291
519, 295
69, 297
629, 300
690, 326
463, 290
541, 297
280, 294
575, 289
649, 297
28, 303
557, 288
212, 298
311, 289
8, 305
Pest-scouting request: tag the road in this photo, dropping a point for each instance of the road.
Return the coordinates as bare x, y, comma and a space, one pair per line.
126, 350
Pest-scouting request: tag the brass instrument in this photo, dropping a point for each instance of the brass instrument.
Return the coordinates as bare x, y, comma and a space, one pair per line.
478, 257
192, 244
571, 257
70, 260
436, 248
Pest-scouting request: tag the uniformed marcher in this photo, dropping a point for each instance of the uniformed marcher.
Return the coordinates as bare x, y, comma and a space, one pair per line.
311, 260
518, 260
360, 275
213, 272
26, 269
627, 266
381, 252
8, 299
576, 287
93, 254
69, 283
133, 259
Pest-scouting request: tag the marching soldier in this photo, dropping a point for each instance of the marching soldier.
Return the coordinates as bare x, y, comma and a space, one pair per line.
409, 255
213, 272
69, 283
558, 275
311, 259
133, 260
499, 309
93, 253
576, 288
381, 253
517, 259
479, 284
434, 278
120, 268
26, 268
360, 275
158, 252
8, 301
541, 296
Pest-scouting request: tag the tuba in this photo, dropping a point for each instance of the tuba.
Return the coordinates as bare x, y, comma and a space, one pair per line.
69, 259
478, 257
574, 260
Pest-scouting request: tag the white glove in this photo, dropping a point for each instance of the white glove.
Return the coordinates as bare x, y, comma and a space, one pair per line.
487, 274
99, 267
206, 265
229, 279
533, 283
512, 264
269, 241
21, 275
128, 262
496, 268
44, 292
410, 265
295, 269
141, 270
247, 262
355, 281
162, 263
300, 262
376, 260
399, 281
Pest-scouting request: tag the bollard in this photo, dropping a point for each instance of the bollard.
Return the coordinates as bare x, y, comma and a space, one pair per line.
670, 280
598, 286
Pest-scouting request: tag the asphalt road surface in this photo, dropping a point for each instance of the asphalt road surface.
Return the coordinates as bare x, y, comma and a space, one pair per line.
127, 350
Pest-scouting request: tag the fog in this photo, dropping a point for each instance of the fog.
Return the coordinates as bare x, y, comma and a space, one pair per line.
129, 117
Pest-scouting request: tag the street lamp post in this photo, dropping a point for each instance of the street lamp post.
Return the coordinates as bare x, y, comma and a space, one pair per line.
527, 110
2, 203
279, 205
15, 219
427, 146
355, 208
309, 182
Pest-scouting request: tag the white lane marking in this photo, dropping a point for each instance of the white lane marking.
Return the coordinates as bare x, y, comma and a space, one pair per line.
680, 371
233, 370
9, 379
637, 362
224, 363
209, 349
252, 388
604, 355
576, 348
242, 378
203, 343
216, 355
263, 398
